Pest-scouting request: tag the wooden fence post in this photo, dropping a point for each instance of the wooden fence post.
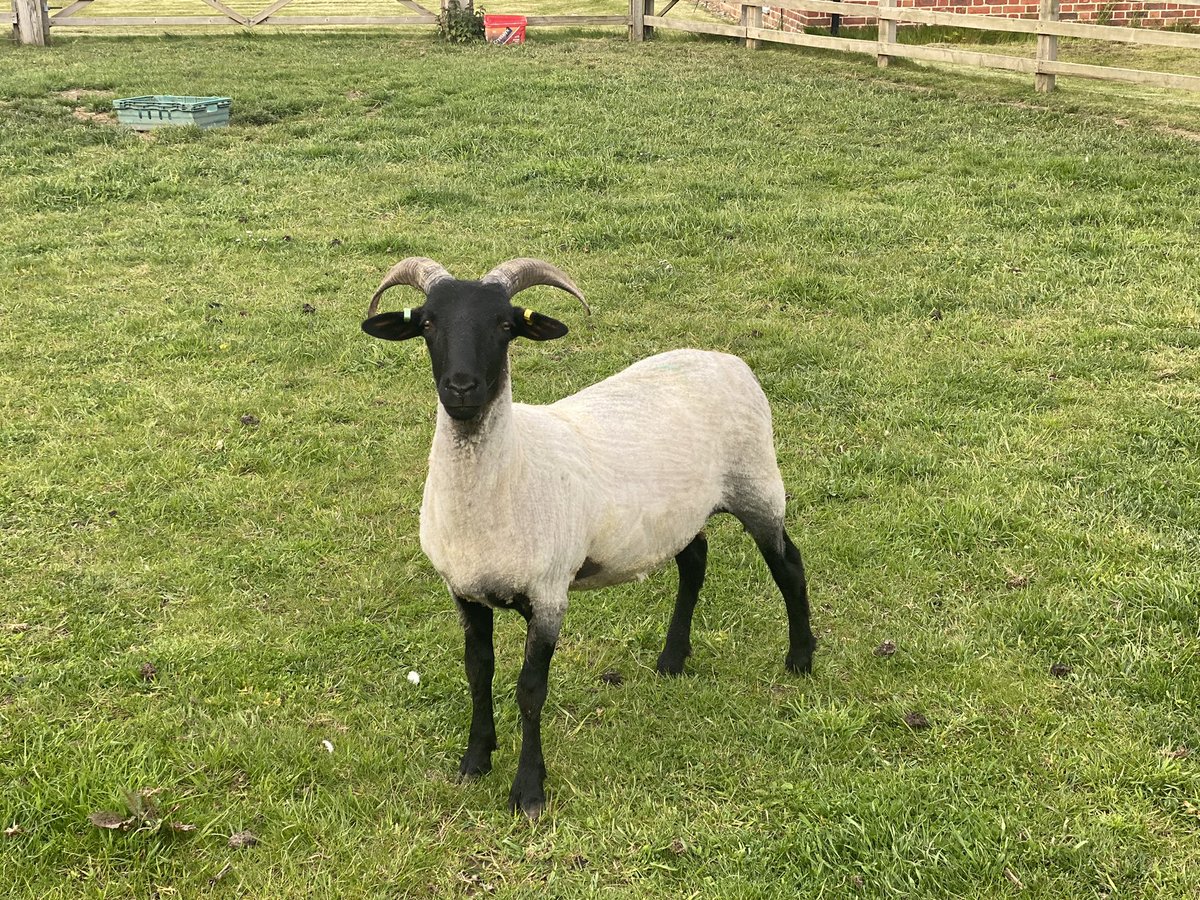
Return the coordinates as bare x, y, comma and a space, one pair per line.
1047, 46
33, 22
752, 16
638, 10
887, 35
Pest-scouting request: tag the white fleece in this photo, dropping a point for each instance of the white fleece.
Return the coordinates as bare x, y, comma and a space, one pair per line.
622, 475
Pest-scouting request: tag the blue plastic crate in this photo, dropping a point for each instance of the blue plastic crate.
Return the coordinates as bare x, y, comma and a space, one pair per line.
145, 113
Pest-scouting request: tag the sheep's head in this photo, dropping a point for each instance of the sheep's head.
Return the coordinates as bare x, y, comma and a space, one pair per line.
468, 325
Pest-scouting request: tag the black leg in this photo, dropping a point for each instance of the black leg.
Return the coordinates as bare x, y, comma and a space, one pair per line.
788, 571
528, 789
480, 658
691, 560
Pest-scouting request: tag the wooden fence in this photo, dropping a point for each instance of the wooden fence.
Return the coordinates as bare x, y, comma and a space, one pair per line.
1044, 66
33, 16
34, 22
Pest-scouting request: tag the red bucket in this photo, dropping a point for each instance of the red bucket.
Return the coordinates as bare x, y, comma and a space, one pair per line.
504, 29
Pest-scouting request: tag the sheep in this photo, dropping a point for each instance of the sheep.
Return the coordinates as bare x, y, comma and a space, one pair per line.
523, 504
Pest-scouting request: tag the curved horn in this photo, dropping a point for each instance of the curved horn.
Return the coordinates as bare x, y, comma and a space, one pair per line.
416, 271
518, 274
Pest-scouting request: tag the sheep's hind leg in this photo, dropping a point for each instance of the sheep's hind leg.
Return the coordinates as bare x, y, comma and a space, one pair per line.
480, 659
692, 561
787, 568
528, 792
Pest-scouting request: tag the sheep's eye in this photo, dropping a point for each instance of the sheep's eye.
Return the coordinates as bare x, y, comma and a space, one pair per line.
506, 326
427, 325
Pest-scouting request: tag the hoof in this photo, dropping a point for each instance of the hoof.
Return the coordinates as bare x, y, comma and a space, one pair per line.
528, 796
799, 658
799, 662
670, 661
474, 765
670, 666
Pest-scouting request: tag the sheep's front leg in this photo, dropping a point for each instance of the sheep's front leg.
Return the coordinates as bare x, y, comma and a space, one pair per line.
528, 790
480, 659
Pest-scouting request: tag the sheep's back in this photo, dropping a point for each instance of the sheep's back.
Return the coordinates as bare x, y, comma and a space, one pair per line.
671, 440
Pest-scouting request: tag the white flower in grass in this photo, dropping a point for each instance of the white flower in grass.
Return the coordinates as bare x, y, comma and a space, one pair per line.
414, 677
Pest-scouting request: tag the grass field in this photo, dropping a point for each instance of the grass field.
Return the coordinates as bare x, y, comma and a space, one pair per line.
973, 308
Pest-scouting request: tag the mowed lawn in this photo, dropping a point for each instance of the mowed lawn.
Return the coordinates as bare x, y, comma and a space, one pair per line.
973, 308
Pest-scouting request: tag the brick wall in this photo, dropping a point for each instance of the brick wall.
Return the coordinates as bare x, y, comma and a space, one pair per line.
1142, 13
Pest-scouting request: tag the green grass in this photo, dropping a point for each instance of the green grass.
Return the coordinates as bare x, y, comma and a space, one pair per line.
999, 486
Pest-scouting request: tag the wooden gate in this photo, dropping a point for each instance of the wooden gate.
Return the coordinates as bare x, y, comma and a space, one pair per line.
79, 14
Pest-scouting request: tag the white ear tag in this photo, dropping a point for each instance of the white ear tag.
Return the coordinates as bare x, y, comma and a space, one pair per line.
407, 315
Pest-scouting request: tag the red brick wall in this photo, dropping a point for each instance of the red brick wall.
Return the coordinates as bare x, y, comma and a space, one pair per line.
1144, 13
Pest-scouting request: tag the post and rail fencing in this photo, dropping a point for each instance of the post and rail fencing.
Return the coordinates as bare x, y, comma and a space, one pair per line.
33, 23
1045, 66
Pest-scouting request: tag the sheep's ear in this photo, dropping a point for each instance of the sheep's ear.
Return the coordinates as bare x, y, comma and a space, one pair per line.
395, 326
536, 327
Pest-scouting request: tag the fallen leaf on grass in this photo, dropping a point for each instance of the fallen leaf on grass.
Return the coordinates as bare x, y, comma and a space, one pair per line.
241, 840
181, 827
916, 721
16, 627
1060, 670
13, 830
147, 672
613, 678
1015, 580
1180, 752
111, 821
886, 648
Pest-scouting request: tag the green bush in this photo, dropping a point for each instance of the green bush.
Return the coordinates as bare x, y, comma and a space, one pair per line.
460, 25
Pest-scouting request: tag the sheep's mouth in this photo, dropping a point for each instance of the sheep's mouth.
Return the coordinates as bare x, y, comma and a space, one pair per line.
462, 413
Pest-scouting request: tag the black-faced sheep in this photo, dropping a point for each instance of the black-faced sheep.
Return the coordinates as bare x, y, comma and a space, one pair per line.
525, 503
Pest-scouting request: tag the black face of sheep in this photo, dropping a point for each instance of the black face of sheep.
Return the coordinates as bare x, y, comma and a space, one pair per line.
467, 326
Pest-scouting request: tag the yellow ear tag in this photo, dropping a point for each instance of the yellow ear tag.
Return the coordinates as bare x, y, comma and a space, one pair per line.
529, 317
407, 315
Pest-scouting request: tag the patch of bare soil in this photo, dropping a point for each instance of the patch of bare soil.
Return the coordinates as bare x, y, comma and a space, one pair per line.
83, 114
1184, 133
77, 94
1180, 132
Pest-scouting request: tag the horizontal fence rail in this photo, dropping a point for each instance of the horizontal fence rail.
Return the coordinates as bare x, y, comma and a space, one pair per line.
1047, 27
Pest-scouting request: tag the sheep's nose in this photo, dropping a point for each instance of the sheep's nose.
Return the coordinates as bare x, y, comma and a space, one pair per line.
462, 383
